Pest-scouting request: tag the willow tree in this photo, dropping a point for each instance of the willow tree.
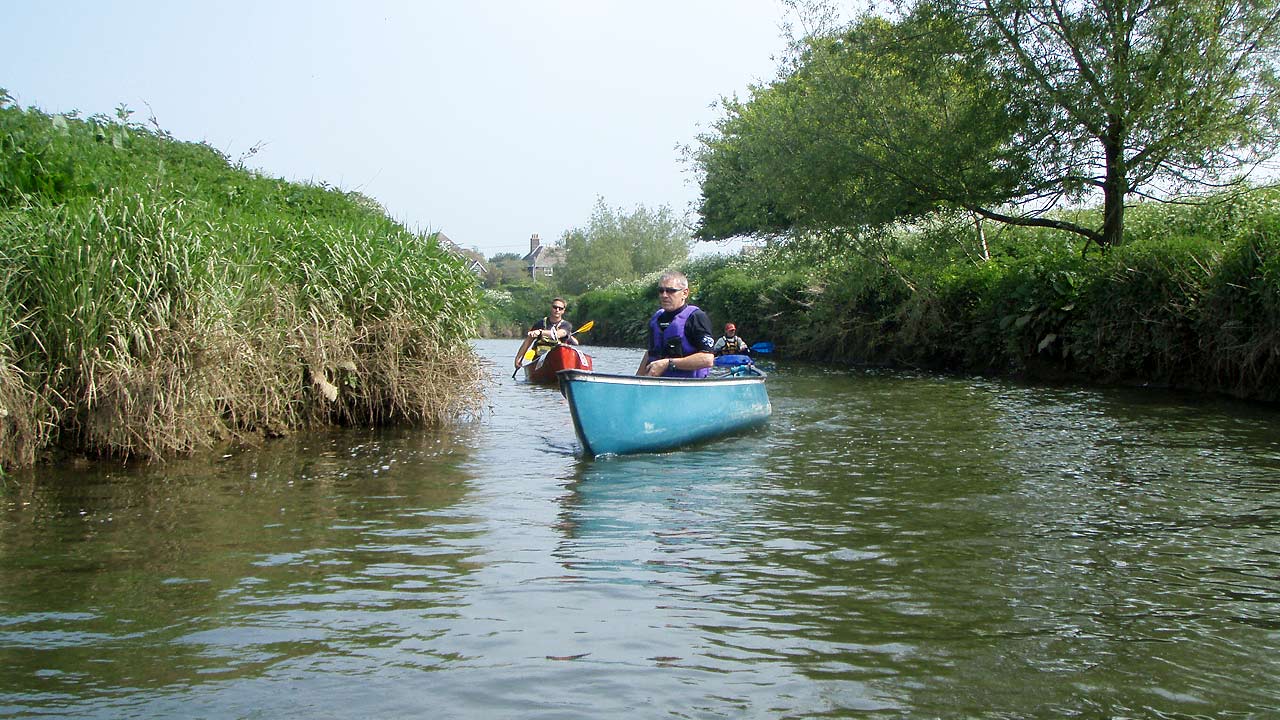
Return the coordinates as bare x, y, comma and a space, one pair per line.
1142, 96
1002, 108
879, 122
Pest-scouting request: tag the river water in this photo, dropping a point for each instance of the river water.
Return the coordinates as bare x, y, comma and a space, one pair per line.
890, 545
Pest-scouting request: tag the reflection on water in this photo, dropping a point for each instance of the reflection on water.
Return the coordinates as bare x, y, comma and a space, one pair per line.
129, 581
889, 545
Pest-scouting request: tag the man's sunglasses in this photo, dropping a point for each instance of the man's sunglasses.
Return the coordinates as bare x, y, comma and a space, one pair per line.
558, 307
668, 291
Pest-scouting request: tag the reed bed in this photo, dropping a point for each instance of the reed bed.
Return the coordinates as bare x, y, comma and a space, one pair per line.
167, 315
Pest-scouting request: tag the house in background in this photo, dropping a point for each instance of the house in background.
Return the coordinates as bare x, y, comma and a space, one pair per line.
473, 259
542, 259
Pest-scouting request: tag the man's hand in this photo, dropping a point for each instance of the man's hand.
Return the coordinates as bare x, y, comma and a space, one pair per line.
658, 368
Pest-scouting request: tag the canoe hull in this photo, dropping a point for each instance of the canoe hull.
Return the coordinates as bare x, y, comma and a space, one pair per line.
561, 357
622, 414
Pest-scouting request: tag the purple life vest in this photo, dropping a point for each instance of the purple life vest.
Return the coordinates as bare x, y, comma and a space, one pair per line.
665, 340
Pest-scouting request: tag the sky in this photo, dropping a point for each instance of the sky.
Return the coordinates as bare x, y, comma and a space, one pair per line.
488, 120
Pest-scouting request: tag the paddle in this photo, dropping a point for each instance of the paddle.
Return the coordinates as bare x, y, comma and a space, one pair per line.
530, 354
762, 348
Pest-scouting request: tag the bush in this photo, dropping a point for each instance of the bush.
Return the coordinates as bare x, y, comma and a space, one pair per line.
1239, 328
620, 312
1191, 299
731, 293
1140, 307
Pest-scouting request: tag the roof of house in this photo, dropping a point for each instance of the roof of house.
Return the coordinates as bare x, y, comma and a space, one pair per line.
543, 255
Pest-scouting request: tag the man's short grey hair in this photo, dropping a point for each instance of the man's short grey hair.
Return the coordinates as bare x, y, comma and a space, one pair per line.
674, 278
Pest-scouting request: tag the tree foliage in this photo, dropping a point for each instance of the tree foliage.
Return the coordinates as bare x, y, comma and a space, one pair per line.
875, 123
999, 108
505, 268
617, 245
1138, 96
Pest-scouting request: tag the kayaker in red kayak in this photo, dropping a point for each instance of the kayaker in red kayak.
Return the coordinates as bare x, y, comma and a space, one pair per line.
548, 331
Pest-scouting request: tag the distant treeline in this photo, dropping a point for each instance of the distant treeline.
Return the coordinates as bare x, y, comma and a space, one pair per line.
159, 299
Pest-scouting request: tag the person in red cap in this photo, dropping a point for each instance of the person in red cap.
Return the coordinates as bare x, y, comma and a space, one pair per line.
731, 344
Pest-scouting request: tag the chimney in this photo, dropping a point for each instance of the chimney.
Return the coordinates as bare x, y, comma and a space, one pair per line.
534, 242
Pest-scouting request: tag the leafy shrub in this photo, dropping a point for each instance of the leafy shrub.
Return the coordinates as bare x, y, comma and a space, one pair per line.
1239, 328
731, 293
1191, 299
619, 311
1140, 309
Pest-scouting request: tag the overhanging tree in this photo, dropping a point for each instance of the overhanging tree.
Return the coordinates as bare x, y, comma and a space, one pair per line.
1002, 108
1146, 96
881, 122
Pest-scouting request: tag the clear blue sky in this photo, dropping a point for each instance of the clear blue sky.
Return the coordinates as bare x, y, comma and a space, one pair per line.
489, 121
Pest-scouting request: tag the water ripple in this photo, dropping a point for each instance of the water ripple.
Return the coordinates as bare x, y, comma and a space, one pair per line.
891, 545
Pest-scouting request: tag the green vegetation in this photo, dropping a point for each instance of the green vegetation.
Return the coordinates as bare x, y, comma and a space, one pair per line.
621, 246
919, 178
615, 248
1000, 109
505, 269
1191, 300
158, 299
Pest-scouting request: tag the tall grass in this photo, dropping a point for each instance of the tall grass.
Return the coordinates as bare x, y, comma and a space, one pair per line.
158, 300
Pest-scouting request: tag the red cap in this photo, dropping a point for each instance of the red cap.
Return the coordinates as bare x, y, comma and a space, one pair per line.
730, 326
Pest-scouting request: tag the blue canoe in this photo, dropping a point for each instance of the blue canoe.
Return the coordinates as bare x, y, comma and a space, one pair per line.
620, 414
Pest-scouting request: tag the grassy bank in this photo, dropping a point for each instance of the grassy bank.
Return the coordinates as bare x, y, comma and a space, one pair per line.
159, 299
1190, 300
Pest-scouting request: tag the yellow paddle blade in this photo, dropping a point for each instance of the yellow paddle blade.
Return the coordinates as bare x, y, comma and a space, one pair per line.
530, 354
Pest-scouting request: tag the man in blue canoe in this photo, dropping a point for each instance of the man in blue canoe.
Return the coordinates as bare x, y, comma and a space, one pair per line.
680, 340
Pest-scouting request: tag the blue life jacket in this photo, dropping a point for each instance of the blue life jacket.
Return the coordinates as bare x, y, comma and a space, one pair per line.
665, 343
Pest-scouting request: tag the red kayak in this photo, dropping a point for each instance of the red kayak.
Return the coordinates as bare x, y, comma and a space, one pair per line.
560, 357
